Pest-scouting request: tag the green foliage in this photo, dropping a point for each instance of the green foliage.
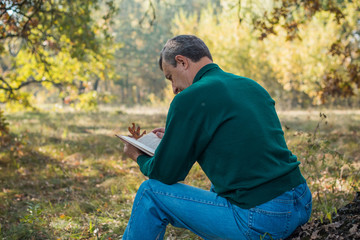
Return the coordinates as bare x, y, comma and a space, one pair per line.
308, 53
292, 16
33, 216
266, 235
57, 46
42, 24
88, 101
294, 72
30, 226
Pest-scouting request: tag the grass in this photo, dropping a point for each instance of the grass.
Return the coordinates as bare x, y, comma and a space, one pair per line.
63, 174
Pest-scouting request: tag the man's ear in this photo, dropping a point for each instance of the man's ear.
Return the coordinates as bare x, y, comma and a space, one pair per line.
182, 60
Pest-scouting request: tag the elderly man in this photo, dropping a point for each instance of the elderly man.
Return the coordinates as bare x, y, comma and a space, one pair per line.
228, 124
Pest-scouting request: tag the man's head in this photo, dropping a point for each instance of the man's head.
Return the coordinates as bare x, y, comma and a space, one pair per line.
181, 58
188, 46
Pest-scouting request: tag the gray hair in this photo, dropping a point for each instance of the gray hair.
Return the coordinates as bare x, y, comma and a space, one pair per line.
186, 45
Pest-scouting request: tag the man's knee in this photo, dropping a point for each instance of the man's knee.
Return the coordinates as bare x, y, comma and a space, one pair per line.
148, 189
149, 184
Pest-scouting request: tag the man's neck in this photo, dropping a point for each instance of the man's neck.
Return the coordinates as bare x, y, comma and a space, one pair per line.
196, 66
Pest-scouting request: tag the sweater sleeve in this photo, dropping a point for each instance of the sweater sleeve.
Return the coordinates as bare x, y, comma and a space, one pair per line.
183, 142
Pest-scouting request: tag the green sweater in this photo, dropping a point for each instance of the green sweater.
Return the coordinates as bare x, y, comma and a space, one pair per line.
228, 124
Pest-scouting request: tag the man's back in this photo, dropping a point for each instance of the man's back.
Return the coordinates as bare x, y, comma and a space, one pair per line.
240, 144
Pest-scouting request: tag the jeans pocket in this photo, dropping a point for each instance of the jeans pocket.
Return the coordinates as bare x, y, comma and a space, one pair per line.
306, 201
308, 209
268, 224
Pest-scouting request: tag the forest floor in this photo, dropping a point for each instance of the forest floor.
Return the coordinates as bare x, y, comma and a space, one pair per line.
63, 174
344, 225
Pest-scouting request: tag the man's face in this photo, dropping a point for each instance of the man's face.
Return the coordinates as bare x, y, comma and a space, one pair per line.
180, 76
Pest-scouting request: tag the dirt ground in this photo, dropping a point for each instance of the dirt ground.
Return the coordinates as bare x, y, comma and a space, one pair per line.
344, 225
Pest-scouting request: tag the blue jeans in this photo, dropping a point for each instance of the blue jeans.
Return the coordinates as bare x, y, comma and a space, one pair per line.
212, 217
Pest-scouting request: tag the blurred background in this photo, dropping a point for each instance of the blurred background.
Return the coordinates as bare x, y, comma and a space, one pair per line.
87, 53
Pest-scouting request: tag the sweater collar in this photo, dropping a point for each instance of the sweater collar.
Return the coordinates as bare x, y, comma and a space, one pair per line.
204, 70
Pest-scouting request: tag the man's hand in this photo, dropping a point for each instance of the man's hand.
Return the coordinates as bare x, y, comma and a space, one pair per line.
159, 132
131, 151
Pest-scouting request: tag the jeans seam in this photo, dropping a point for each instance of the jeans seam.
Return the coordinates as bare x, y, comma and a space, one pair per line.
142, 195
186, 199
308, 204
243, 227
302, 194
287, 224
190, 199
155, 192
130, 221
250, 222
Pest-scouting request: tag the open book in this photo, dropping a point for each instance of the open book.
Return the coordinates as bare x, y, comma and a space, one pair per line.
147, 143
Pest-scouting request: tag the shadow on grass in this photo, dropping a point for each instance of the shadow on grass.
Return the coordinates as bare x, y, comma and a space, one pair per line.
58, 177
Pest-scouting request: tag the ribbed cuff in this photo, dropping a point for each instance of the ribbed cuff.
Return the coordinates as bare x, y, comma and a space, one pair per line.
141, 161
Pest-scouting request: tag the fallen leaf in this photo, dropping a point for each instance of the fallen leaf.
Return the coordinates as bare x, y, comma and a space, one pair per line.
315, 235
354, 228
135, 132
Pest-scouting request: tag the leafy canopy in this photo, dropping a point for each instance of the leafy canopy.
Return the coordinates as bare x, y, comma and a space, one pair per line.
57, 44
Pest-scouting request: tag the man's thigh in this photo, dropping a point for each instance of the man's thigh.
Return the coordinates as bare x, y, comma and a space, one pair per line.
203, 212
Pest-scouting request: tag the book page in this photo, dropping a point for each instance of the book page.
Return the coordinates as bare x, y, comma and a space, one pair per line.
147, 143
149, 151
150, 140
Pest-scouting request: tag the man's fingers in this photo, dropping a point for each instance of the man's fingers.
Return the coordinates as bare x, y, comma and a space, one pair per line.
160, 134
156, 130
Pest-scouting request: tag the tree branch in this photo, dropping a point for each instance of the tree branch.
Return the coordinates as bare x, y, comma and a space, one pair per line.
29, 81
9, 88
